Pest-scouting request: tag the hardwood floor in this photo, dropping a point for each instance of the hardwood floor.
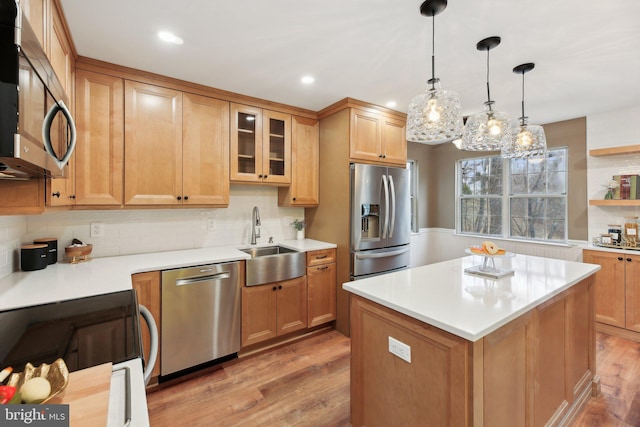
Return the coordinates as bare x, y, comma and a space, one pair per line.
618, 364
307, 384
302, 384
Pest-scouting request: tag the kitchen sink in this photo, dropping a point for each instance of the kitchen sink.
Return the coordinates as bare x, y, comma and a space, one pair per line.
270, 264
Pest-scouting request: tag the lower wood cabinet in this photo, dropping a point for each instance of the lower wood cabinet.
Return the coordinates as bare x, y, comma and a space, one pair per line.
147, 287
617, 288
321, 287
273, 310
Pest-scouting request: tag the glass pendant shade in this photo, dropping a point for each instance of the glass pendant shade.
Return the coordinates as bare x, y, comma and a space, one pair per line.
526, 141
435, 116
489, 130
486, 131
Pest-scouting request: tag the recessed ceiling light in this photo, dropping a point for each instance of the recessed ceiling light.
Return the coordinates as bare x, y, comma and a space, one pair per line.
169, 37
391, 104
307, 80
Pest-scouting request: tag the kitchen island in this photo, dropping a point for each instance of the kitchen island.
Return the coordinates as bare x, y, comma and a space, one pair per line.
437, 346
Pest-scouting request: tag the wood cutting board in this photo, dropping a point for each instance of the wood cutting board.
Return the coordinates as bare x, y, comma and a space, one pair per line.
87, 394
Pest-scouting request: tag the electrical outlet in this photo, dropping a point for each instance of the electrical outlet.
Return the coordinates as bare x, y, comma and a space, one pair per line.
97, 229
211, 224
400, 349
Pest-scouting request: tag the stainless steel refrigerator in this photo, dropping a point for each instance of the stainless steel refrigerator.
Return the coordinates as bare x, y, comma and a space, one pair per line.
380, 220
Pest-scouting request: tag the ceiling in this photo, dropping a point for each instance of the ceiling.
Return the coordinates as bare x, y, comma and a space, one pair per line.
587, 58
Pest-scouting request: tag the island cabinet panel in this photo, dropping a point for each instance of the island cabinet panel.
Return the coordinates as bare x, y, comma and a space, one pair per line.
536, 370
387, 390
505, 374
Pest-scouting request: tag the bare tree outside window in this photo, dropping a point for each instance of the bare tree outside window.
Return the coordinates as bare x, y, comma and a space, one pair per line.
530, 194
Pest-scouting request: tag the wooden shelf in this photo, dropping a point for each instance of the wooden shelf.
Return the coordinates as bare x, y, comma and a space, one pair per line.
614, 202
614, 151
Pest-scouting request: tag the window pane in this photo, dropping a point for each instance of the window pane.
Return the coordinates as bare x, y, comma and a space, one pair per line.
536, 183
518, 184
556, 183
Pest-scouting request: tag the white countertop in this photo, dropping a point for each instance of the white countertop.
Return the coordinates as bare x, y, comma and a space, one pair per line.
63, 281
466, 305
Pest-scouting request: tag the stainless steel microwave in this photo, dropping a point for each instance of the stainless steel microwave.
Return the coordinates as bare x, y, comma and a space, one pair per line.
37, 131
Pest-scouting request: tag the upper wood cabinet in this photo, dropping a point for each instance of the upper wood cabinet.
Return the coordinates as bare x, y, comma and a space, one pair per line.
59, 51
377, 138
260, 146
176, 147
36, 12
99, 150
152, 145
305, 164
205, 151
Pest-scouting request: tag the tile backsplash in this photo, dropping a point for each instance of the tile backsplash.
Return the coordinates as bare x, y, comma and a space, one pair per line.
152, 230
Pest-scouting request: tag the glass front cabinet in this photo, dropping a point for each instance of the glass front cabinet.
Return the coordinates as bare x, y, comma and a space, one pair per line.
260, 145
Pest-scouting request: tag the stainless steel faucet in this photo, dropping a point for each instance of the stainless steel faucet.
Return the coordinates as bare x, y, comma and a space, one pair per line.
255, 222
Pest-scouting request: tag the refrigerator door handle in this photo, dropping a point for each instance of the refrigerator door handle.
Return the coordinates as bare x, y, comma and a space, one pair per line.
382, 254
385, 227
392, 187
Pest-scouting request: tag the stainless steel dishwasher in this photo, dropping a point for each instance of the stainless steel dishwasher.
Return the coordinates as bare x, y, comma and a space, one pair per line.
200, 315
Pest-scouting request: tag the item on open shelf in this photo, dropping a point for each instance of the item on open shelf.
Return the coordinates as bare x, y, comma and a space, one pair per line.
631, 230
616, 233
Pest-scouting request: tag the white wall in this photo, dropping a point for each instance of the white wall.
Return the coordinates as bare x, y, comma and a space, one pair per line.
152, 230
617, 128
438, 244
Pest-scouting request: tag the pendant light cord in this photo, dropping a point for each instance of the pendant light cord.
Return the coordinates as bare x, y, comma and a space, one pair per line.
433, 50
522, 118
488, 90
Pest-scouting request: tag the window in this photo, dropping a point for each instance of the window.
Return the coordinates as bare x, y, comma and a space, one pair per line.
515, 198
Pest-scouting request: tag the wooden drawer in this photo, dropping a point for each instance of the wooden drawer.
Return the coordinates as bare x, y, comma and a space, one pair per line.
324, 256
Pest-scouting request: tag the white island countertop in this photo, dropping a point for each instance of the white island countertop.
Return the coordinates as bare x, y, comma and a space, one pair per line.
63, 281
466, 305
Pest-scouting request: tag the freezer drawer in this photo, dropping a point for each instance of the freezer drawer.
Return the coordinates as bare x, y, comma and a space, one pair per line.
200, 315
379, 260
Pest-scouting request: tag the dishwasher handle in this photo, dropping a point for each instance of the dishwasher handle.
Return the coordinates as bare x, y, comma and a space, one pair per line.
200, 279
153, 342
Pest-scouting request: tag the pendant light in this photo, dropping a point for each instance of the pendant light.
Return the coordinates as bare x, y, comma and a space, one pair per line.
434, 115
489, 130
526, 140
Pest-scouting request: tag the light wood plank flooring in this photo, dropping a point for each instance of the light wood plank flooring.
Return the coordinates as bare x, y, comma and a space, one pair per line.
307, 384
302, 384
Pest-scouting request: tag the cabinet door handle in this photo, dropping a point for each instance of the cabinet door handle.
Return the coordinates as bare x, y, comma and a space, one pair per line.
294, 199
628, 259
179, 198
619, 258
56, 194
275, 287
73, 196
322, 268
265, 177
280, 287
186, 197
380, 155
260, 176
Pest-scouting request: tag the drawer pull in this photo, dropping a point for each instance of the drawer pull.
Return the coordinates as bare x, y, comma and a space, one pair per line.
322, 268
321, 256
